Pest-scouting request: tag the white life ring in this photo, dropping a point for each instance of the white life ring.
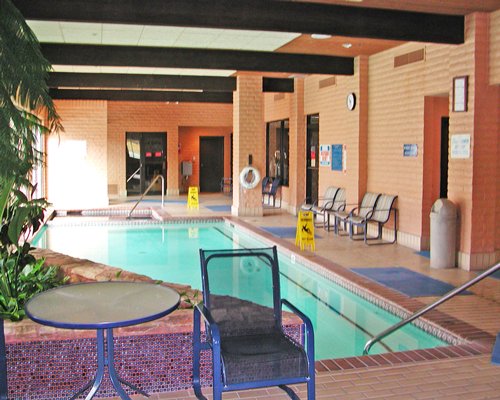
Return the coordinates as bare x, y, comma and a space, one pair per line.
249, 177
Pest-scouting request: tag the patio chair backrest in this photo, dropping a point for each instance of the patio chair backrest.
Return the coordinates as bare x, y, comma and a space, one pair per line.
340, 198
368, 204
265, 182
326, 202
241, 290
382, 210
274, 186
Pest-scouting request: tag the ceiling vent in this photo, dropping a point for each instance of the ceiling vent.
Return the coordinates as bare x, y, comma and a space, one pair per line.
327, 82
409, 58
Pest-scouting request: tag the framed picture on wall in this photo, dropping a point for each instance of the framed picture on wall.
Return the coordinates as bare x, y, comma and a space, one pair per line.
460, 87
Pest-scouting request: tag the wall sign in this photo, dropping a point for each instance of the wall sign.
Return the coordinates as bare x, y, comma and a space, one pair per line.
337, 153
325, 155
460, 146
460, 88
410, 150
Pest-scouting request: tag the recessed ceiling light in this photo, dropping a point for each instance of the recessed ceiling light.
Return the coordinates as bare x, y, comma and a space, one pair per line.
320, 36
346, 45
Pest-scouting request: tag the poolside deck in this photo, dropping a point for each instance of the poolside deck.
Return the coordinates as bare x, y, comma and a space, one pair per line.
468, 374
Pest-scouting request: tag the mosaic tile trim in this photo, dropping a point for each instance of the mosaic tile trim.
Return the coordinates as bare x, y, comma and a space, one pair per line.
56, 369
358, 290
49, 370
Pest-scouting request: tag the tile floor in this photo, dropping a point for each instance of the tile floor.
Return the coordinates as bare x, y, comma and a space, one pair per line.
468, 375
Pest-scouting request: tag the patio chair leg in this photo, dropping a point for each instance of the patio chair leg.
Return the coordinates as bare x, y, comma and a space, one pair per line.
311, 390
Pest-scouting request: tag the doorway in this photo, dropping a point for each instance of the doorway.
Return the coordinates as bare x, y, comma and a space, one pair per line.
445, 136
211, 163
312, 165
145, 159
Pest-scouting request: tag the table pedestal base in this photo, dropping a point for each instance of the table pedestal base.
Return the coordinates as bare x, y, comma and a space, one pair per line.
105, 358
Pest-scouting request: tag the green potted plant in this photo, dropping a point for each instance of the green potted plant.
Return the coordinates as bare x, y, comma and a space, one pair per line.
23, 99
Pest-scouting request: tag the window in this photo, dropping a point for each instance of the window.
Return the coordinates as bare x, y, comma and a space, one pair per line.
278, 156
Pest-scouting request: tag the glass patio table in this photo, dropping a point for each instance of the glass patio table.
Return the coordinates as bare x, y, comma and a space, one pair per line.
103, 306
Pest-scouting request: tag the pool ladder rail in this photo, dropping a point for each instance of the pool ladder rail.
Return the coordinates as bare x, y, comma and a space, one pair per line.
430, 307
146, 192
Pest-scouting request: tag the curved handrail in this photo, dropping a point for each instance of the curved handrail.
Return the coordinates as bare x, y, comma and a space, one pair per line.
146, 192
430, 307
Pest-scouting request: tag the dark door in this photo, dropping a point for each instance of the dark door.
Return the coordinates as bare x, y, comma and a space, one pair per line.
211, 163
146, 158
312, 163
443, 185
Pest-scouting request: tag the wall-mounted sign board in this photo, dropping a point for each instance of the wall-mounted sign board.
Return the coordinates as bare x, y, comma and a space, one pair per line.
337, 157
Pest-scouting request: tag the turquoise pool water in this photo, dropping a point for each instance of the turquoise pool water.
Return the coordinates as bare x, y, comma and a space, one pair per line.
343, 322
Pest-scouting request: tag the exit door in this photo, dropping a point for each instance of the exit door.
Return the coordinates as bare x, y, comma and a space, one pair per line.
211, 163
312, 162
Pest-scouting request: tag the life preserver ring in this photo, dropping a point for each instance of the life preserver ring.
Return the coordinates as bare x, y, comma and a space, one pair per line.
249, 178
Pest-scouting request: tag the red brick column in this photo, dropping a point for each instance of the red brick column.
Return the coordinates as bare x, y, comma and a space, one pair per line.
248, 139
473, 181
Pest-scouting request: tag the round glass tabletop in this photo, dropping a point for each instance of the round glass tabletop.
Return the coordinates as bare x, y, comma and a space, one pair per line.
102, 304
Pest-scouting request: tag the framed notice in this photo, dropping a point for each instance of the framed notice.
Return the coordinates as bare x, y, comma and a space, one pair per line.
460, 88
460, 146
324, 155
410, 150
337, 154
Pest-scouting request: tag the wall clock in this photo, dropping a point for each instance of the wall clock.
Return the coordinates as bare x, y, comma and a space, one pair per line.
351, 101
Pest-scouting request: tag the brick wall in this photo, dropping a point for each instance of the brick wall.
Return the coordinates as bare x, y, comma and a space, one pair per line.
249, 138
158, 117
495, 48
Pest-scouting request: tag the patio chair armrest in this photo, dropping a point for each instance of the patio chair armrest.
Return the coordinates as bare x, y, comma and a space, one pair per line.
201, 310
309, 332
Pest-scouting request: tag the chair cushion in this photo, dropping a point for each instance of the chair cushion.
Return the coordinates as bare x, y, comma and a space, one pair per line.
261, 357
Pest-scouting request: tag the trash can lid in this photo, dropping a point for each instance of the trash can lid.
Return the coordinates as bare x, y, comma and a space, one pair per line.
444, 208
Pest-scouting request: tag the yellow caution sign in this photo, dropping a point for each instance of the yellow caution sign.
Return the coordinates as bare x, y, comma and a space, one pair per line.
193, 197
305, 230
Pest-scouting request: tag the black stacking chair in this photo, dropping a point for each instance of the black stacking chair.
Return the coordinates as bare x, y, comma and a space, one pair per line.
242, 312
272, 192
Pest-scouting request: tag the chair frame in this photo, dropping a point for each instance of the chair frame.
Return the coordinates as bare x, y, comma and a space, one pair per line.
317, 209
380, 223
213, 337
272, 192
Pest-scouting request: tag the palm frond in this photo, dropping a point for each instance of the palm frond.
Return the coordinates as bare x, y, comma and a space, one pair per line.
23, 94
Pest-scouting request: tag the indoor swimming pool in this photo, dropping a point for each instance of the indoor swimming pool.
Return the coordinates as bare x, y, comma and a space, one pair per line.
343, 321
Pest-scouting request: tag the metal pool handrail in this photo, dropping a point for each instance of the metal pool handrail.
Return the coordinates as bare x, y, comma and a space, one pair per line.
147, 190
430, 307
133, 173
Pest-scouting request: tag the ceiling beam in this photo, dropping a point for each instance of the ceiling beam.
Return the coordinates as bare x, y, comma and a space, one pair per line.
141, 95
173, 57
61, 80
278, 85
284, 16
139, 81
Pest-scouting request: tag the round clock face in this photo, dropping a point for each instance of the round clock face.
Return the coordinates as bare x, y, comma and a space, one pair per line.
351, 101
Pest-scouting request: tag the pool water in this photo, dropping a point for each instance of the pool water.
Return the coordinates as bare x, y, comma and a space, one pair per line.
343, 322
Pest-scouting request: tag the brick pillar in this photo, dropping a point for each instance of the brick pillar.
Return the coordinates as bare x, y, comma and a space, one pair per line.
297, 162
248, 139
472, 183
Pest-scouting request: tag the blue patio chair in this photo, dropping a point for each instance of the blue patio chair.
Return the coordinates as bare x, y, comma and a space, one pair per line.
321, 207
272, 191
244, 326
379, 214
